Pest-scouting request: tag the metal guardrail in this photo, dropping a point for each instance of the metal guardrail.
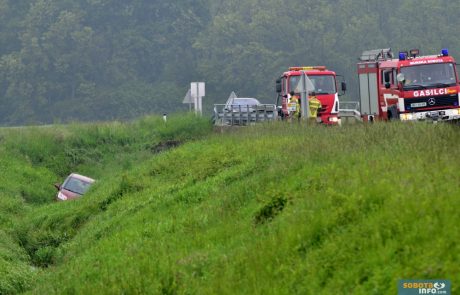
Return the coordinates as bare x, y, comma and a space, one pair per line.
350, 109
243, 114
349, 105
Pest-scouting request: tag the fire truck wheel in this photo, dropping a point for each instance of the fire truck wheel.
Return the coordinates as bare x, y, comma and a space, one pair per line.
281, 115
393, 113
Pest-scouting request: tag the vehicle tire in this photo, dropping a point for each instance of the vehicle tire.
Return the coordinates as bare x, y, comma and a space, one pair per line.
213, 119
281, 115
393, 113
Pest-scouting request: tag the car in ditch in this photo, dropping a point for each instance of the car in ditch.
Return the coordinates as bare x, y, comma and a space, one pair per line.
74, 186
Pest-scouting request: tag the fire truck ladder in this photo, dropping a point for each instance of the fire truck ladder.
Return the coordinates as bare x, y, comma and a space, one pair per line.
376, 54
349, 110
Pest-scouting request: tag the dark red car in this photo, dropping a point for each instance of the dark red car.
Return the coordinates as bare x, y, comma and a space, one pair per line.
73, 187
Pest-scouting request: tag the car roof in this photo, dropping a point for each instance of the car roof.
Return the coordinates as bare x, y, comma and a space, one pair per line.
242, 99
82, 177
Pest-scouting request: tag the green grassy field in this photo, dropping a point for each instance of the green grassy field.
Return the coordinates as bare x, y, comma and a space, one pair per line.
269, 209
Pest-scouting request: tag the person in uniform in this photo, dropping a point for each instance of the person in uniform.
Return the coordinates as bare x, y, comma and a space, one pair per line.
295, 99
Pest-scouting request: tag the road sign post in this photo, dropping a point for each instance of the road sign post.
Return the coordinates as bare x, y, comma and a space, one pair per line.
304, 103
197, 91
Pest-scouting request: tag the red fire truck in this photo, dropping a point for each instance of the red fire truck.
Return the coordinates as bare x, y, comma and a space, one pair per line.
410, 87
324, 86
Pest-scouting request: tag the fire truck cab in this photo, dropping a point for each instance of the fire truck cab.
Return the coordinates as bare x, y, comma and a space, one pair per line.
410, 87
324, 85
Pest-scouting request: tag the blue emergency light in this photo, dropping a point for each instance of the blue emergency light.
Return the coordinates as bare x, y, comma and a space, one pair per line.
445, 52
402, 56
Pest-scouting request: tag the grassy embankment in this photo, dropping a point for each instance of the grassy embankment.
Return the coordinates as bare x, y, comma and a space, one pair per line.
33, 159
277, 209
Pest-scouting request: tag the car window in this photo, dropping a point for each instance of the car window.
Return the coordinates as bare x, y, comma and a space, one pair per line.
76, 185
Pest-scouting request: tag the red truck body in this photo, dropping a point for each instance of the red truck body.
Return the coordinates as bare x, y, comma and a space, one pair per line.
325, 90
410, 87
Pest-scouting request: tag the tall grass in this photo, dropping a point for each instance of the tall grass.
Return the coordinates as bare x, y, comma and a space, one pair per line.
33, 158
270, 209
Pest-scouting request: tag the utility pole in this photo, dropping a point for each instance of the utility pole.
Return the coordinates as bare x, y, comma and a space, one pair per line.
304, 103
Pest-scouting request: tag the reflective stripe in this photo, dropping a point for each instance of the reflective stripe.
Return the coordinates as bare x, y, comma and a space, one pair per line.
401, 104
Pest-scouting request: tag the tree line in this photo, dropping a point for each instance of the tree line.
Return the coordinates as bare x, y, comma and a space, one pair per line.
66, 60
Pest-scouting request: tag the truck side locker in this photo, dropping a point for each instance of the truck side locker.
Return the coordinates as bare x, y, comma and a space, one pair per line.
368, 84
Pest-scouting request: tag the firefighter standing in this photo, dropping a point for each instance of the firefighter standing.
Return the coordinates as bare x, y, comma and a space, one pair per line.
295, 99
314, 105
